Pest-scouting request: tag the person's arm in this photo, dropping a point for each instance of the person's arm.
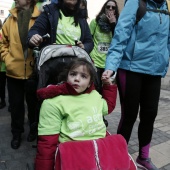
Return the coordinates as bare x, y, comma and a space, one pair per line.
109, 93
40, 28
169, 41
55, 90
87, 39
46, 149
122, 34
93, 26
5, 41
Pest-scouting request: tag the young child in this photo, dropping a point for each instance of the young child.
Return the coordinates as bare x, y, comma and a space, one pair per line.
75, 114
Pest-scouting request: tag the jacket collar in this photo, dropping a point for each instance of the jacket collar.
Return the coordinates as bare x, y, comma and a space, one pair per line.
35, 13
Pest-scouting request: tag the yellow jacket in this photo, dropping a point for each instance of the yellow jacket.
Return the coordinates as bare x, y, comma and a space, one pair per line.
11, 52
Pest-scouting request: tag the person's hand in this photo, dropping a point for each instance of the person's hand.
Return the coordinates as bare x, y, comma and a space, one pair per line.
107, 74
80, 44
35, 40
106, 81
111, 17
106, 77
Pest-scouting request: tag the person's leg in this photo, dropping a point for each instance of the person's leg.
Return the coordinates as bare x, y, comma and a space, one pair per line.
16, 95
2, 89
129, 87
99, 75
148, 112
31, 99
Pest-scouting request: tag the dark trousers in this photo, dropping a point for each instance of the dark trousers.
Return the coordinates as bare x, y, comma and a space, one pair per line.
99, 81
138, 93
2, 85
19, 92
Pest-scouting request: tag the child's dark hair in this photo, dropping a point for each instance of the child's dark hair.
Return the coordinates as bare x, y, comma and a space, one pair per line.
76, 63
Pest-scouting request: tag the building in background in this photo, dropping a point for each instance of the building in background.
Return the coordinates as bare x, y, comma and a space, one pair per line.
93, 7
5, 5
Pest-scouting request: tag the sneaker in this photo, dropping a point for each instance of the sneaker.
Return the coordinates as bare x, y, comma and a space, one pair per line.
145, 164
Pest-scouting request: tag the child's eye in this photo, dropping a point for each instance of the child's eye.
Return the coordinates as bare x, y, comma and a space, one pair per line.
84, 76
72, 74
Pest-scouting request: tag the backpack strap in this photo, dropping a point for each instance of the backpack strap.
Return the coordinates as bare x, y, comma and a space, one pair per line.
141, 10
159, 11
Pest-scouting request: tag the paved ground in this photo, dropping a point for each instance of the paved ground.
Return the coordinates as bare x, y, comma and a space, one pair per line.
23, 158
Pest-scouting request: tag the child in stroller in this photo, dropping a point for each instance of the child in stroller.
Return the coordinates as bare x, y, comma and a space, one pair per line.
75, 114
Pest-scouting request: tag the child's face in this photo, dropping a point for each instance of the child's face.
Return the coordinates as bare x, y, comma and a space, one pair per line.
79, 78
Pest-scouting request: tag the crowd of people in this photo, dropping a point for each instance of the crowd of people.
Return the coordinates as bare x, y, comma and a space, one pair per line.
137, 52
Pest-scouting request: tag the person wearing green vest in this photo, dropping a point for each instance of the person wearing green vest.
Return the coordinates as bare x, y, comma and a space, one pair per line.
2, 75
62, 22
102, 30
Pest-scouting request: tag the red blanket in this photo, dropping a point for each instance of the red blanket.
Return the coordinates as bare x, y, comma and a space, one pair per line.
109, 153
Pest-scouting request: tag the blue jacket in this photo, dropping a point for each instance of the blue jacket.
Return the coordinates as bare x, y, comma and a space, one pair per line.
143, 47
47, 23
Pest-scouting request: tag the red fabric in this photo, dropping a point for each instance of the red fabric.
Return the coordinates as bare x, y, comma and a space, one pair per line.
109, 93
112, 151
61, 89
55, 90
46, 148
132, 163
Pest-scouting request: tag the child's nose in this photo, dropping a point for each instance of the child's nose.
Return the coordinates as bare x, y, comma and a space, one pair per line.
77, 78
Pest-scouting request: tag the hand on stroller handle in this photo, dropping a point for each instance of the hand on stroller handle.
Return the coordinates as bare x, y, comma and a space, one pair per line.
36, 39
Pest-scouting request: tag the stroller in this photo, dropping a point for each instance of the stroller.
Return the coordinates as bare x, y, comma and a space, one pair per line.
50, 61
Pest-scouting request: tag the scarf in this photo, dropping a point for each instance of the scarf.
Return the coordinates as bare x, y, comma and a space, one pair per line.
24, 17
104, 24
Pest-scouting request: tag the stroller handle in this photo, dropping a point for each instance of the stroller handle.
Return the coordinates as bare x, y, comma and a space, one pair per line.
36, 50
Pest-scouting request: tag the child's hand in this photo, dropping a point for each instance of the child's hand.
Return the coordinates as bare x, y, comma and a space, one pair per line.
106, 80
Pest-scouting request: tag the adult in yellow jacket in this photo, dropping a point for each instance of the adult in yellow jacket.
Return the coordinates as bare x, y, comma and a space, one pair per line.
19, 67
2, 75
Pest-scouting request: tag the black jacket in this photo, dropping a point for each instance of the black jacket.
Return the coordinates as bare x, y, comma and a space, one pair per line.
47, 23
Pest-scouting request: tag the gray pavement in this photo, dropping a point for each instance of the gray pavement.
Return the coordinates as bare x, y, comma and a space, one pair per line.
23, 158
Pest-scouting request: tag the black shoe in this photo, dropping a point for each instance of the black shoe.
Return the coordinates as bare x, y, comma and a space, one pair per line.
33, 132
16, 141
2, 104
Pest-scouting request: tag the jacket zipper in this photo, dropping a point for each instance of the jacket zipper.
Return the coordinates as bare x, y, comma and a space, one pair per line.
160, 17
97, 155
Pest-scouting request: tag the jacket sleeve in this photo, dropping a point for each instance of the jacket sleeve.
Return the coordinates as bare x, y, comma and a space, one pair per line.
5, 41
122, 33
93, 26
40, 27
109, 93
55, 90
87, 38
46, 149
